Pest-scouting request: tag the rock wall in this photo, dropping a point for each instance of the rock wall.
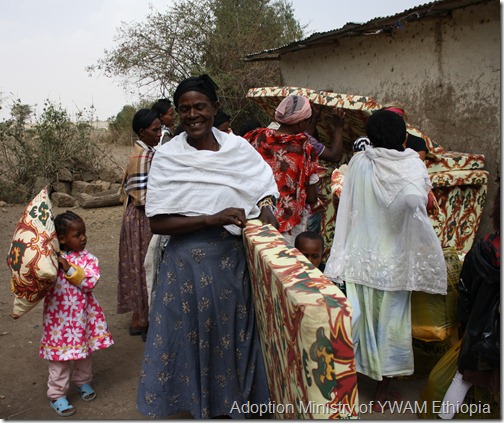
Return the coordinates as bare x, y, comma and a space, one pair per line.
71, 190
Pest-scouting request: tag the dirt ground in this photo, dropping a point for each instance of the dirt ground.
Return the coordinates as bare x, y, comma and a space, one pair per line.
23, 374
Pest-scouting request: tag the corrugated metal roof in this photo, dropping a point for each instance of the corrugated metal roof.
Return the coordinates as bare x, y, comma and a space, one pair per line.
375, 26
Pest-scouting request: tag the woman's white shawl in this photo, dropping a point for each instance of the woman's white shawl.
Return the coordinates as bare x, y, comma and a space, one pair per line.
190, 182
383, 237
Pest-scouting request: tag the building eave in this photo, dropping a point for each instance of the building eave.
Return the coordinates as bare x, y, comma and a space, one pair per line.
376, 26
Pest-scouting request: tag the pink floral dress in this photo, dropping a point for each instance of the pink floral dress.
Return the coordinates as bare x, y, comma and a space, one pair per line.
74, 324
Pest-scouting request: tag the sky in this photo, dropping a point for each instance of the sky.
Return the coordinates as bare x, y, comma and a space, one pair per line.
45, 46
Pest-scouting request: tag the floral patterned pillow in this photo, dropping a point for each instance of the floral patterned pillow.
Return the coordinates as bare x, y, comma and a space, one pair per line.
32, 256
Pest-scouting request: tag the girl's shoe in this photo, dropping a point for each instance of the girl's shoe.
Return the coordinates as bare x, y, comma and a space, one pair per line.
86, 392
62, 407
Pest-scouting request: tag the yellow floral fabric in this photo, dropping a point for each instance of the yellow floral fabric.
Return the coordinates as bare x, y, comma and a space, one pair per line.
305, 331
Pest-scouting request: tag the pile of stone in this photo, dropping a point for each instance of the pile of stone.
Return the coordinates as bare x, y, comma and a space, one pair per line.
87, 190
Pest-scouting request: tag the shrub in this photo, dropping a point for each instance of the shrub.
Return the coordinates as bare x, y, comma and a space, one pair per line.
41, 150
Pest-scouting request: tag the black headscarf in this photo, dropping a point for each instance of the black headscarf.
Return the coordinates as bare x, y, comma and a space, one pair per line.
203, 83
161, 106
386, 129
143, 119
220, 118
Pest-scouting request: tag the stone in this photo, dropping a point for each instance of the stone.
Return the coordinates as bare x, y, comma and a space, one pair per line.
115, 186
40, 182
60, 199
64, 175
93, 188
113, 176
87, 176
65, 187
78, 187
105, 185
87, 201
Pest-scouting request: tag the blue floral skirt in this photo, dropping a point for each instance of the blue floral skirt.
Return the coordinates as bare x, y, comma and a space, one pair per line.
202, 353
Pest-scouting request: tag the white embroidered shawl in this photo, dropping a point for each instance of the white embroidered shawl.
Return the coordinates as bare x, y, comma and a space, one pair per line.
184, 180
383, 236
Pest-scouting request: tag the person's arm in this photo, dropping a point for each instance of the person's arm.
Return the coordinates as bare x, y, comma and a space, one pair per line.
311, 194
312, 128
416, 143
267, 216
334, 152
311, 183
466, 290
84, 278
432, 204
175, 224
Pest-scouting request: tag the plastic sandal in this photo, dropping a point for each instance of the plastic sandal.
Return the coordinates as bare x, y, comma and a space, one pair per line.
62, 407
86, 392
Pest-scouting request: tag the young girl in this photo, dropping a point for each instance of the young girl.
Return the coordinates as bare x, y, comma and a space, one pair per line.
74, 324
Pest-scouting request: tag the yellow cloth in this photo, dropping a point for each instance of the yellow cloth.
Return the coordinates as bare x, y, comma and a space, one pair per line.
77, 277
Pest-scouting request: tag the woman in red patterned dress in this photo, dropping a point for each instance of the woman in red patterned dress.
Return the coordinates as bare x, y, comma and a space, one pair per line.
294, 162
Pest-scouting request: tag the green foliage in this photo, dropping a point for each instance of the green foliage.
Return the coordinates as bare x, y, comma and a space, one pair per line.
120, 126
240, 28
120, 129
17, 164
203, 36
123, 119
54, 142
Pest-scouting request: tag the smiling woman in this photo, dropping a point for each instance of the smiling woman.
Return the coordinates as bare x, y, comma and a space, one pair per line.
203, 187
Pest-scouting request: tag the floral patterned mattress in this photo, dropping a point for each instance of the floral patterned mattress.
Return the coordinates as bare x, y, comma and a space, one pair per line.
459, 179
357, 109
305, 330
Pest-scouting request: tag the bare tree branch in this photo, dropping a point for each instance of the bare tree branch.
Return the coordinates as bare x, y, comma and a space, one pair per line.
202, 36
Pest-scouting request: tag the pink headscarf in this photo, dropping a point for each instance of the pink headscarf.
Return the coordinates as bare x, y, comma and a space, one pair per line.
395, 110
293, 109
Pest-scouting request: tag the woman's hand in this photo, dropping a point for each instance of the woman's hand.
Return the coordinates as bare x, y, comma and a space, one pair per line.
334, 152
315, 112
432, 204
338, 116
174, 224
63, 262
268, 218
230, 216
